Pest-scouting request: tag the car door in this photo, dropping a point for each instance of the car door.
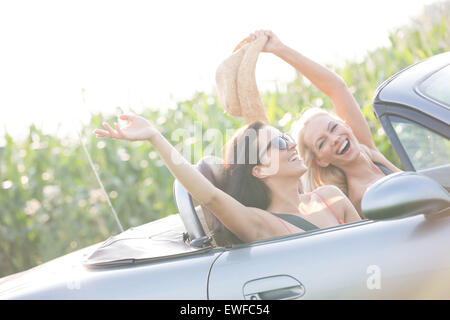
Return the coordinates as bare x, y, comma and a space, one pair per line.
402, 258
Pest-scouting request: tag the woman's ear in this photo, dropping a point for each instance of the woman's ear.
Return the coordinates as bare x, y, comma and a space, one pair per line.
258, 172
262, 172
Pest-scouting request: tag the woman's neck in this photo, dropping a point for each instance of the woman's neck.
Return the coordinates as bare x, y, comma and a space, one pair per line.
285, 196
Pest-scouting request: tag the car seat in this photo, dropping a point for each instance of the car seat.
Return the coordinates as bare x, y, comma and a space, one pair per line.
202, 226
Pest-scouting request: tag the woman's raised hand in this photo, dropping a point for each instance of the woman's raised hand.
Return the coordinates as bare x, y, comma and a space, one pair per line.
273, 43
139, 128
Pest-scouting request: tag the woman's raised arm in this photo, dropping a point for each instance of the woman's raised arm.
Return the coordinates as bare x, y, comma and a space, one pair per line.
247, 223
326, 81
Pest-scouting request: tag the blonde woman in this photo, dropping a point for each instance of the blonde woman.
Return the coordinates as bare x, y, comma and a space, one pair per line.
337, 150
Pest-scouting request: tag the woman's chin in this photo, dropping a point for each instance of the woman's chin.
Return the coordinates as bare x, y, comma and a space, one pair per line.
301, 169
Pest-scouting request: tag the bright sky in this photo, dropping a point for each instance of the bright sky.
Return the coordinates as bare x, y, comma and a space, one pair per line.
140, 54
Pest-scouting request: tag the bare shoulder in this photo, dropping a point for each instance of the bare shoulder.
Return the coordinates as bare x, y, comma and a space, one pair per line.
376, 156
259, 212
265, 225
340, 202
333, 196
329, 191
263, 218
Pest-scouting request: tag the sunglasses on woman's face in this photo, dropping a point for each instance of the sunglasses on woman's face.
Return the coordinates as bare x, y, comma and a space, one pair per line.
280, 142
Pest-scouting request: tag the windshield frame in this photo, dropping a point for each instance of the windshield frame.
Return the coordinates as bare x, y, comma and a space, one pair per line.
419, 88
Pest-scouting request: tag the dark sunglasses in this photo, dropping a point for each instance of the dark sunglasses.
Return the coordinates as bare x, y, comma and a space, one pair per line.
280, 142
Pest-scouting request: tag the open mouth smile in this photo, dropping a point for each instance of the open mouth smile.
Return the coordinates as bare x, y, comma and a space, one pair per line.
344, 147
294, 157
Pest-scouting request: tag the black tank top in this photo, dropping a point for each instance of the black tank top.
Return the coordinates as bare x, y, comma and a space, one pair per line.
296, 221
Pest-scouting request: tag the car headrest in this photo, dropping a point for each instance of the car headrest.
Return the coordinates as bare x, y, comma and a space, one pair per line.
213, 169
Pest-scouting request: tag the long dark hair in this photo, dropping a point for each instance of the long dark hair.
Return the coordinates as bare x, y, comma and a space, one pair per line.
241, 155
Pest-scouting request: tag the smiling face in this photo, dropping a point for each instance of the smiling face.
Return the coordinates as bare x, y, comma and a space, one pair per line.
278, 155
331, 141
255, 156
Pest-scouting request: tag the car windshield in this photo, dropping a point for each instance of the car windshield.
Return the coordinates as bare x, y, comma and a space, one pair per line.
425, 148
437, 87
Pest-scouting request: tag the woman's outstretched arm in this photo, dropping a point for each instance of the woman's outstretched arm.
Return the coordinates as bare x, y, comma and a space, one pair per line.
247, 223
141, 129
326, 81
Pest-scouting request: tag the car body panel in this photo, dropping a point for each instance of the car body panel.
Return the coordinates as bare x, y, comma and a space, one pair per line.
341, 262
67, 278
75, 276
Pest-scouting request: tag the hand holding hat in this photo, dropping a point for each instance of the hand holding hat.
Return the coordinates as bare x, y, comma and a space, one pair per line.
272, 45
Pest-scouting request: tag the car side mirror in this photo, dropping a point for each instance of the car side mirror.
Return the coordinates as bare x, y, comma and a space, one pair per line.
404, 194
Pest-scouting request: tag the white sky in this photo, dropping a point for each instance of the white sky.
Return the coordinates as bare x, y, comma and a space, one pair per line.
143, 54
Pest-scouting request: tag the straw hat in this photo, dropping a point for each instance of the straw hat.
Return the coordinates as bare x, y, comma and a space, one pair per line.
236, 82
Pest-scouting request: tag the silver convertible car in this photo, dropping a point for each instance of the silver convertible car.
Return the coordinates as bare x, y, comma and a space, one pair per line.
400, 252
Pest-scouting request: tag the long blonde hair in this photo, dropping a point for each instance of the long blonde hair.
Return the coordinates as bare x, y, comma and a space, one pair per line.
316, 175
